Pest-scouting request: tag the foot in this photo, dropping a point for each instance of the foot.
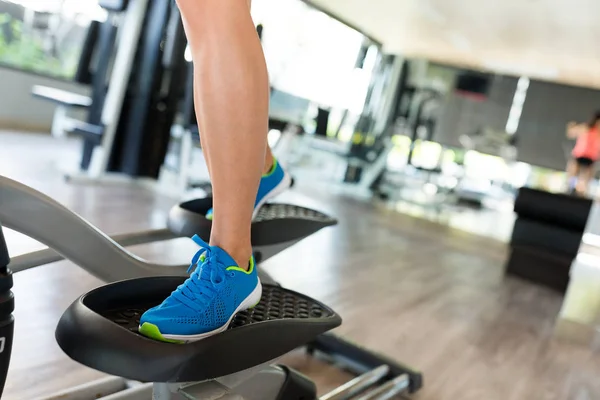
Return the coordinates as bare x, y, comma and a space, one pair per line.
274, 182
207, 301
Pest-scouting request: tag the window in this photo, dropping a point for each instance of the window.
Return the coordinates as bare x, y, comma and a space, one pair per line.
312, 55
45, 36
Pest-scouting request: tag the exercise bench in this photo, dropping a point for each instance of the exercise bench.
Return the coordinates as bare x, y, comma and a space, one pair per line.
64, 100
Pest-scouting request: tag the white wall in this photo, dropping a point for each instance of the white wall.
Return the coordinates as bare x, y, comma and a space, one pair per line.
19, 110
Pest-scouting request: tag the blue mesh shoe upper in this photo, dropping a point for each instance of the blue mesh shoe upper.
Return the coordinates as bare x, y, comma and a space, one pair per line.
207, 300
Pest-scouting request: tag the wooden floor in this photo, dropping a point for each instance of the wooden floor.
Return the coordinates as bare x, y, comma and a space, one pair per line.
427, 295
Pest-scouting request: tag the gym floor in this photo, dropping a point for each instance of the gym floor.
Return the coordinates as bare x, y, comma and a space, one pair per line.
430, 296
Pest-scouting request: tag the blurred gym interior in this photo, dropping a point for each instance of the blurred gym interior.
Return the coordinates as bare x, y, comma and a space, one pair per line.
434, 132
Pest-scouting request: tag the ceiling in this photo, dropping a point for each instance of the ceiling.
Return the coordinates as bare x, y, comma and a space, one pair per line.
556, 40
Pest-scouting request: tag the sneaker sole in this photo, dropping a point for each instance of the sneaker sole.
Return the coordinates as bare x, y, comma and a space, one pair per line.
281, 187
152, 331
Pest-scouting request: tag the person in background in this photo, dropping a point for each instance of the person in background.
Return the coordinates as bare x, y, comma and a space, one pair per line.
580, 169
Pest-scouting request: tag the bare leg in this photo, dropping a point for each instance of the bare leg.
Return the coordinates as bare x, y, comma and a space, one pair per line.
268, 153
585, 176
572, 173
231, 98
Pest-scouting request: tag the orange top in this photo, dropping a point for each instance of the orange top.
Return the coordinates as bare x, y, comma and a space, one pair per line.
588, 145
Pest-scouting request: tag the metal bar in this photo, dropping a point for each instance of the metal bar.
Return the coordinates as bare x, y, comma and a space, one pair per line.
140, 392
47, 256
357, 385
91, 390
262, 382
359, 359
389, 390
203, 390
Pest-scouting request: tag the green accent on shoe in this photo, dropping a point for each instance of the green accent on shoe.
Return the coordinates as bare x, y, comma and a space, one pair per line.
250, 269
150, 330
209, 216
273, 168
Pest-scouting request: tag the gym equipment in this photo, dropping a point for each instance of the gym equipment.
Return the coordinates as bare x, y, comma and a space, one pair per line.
427, 101
129, 120
7, 306
569, 211
61, 122
364, 157
69, 236
546, 236
38, 216
275, 228
93, 69
98, 43
414, 114
100, 331
371, 141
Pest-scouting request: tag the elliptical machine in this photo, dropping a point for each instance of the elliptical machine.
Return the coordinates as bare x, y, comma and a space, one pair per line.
100, 329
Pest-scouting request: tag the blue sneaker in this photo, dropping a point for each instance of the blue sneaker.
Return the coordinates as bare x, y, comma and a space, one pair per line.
273, 183
207, 301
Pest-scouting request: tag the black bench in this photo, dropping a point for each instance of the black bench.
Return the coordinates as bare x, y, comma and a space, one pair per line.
546, 236
64, 101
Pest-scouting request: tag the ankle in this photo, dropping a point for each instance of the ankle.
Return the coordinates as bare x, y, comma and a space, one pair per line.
240, 254
269, 164
242, 258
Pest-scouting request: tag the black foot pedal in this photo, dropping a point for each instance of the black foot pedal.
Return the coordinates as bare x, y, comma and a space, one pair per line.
99, 330
275, 223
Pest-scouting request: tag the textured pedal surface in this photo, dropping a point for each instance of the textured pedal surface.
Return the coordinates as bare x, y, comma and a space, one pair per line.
276, 303
274, 211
